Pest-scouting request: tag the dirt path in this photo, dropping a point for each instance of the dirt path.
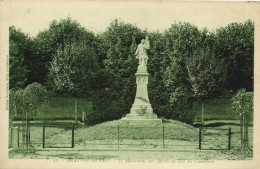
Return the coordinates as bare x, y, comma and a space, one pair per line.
130, 156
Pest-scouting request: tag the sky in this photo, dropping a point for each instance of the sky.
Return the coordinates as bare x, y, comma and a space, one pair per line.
96, 17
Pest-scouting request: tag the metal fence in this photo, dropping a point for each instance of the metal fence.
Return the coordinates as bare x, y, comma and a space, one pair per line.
214, 139
222, 138
57, 136
122, 137
49, 136
134, 137
236, 137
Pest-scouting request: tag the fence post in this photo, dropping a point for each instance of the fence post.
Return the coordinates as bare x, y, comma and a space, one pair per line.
118, 137
163, 137
200, 138
29, 133
72, 137
14, 137
229, 138
43, 135
10, 137
19, 135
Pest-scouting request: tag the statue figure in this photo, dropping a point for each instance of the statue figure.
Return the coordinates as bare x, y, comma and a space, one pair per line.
141, 52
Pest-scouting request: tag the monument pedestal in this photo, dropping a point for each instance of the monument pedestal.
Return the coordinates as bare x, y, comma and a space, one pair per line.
141, 111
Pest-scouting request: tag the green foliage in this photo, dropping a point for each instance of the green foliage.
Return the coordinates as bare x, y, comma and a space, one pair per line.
120, 62
114, 84
235, 43
183, 60
180, 41
243, 104
71, 68
207, 73
35, 95
157, 92
107, 105
27, 100
58, 36
19, 47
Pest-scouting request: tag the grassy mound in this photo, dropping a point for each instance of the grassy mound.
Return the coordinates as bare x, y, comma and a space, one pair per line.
175, 134
112, 130
112, 133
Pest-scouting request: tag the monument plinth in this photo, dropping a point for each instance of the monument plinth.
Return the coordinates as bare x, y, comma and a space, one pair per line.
142, 111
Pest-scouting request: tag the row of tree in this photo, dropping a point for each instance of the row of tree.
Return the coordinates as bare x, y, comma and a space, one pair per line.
183, 62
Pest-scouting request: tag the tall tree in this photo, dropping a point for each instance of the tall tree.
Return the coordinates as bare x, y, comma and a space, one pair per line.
158, 95
72, 67
19, 52
57, 36
207, 74
235, 43
180, 41
121, 39
26, 103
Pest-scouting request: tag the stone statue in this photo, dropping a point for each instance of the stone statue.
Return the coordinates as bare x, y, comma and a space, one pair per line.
141, 52
142, 111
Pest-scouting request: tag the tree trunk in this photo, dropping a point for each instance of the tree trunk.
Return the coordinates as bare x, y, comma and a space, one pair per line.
241, 130
26, 132
76, 113
244, 134
202, 112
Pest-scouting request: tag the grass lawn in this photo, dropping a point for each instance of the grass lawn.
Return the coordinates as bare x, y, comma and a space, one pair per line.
219, 108
179, 138
101, 142
61, 108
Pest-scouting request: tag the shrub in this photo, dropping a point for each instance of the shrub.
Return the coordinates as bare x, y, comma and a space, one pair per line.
243, 105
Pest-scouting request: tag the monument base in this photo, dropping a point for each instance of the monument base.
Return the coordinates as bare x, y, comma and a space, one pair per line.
132, 116
147, 119
140, 122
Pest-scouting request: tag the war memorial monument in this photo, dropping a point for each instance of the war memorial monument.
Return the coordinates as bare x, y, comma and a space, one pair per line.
141, 112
